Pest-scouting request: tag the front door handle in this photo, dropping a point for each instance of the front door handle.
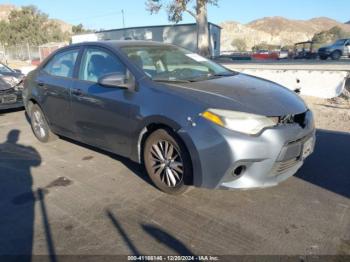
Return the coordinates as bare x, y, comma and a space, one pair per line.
77, 92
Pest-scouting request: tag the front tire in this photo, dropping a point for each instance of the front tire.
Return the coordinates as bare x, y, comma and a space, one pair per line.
336, 55
167, 162
40, 126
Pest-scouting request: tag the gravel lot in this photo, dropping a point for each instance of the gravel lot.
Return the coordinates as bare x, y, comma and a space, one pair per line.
331, 114
66, 198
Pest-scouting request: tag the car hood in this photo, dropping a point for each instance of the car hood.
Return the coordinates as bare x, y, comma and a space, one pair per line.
7, 80
243, 93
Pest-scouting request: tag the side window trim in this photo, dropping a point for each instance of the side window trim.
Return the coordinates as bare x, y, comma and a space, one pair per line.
58, 53
78, 63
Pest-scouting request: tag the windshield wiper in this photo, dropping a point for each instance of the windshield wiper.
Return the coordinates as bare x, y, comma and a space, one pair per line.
172, 81
209, 77
224, 75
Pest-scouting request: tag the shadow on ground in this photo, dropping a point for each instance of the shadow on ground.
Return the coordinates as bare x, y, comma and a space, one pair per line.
17, 198
8, 111
158, 235
134, 167
329, 166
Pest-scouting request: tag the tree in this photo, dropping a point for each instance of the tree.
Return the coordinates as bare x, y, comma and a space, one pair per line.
330, 35
4, 32
29, 25
265, 46
240, 44
175, 10
79, 29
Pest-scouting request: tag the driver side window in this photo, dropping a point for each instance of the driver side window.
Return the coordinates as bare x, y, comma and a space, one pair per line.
97, 63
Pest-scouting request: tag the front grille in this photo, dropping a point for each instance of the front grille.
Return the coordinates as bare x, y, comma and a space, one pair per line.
282, 167
10, 96
299, 119
7, 91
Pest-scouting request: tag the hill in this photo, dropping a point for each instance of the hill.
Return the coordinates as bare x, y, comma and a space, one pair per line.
5, 10
275, 31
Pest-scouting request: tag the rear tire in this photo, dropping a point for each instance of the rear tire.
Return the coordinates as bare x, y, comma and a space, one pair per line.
336, 55
40, 126
167, 162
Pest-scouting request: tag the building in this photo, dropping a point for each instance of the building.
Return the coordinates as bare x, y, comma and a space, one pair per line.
184, 35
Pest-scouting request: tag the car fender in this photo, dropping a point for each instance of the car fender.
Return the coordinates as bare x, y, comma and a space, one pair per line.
180, 131
141, 130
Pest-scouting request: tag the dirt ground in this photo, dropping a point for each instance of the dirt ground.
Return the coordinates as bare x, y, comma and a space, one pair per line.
64, 198
330, 114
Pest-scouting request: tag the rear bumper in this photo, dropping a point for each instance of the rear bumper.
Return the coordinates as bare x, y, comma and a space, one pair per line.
268, 159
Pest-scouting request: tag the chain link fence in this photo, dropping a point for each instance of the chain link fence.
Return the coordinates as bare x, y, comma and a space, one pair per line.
23, 52
27, 53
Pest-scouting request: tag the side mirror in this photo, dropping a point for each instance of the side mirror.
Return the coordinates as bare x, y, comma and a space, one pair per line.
120, 80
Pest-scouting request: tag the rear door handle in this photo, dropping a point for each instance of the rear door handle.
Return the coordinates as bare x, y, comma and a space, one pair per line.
41, 84
77, 92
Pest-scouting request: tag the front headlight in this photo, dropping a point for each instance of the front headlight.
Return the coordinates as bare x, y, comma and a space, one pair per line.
19, 87
250, 124
11, 81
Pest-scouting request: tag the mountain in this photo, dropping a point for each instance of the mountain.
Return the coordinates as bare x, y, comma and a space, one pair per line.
348, 22
272, 30
5, 10
275, 31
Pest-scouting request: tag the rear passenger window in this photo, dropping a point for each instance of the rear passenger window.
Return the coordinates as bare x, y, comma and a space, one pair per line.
62, 64
97, 63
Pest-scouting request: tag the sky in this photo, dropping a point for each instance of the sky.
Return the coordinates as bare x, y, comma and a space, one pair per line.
106, 14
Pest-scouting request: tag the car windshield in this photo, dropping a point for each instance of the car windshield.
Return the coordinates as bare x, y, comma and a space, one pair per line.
173, 64
340, 42
5, 69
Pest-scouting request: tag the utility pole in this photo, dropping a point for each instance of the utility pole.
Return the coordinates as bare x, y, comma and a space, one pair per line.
123, 18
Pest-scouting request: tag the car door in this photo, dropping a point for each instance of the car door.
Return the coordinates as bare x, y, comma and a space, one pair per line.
54, 82
347, 48
102, 114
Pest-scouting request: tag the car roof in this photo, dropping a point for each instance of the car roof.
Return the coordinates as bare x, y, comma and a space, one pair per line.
122, 43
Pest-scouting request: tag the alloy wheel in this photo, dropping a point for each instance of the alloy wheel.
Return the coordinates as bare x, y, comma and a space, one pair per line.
39, 124
167, 163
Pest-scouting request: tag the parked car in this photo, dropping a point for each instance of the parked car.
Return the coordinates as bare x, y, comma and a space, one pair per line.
265, 55
336, 50
283, 54
188, 120
11, 86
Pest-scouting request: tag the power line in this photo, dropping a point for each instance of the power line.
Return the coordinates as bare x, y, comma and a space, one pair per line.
97, 16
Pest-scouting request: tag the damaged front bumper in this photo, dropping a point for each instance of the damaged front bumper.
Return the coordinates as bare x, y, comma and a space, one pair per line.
10, 98
231, 160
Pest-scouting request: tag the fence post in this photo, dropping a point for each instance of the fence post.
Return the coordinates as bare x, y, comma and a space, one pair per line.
40, 56
28, 49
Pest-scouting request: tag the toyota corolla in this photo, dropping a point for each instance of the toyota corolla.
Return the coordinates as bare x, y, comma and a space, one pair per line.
188, 120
